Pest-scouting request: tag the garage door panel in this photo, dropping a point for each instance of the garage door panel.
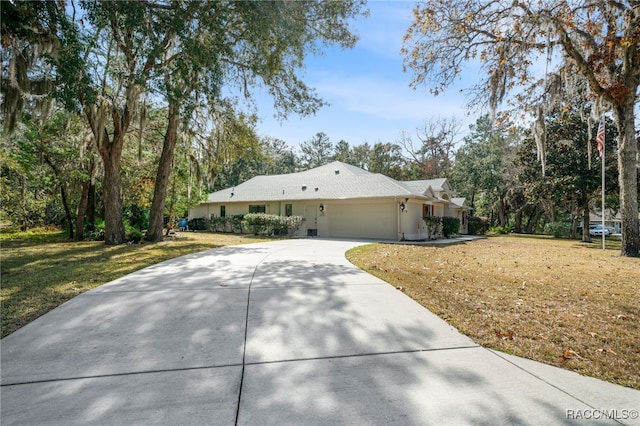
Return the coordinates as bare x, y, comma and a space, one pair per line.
375, 220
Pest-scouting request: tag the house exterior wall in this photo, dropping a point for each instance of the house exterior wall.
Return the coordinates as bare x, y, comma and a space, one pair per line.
438, 209
410, 221
379, 218
201, 210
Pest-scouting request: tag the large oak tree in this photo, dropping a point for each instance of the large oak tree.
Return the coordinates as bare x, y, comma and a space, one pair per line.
243, 44
568, 42
106, 54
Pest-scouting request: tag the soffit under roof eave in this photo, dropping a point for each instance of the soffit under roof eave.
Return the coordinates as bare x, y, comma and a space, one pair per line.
274, 200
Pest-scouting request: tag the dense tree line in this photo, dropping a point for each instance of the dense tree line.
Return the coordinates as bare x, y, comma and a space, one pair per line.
495, 168
117, 116
108, 61
590, 52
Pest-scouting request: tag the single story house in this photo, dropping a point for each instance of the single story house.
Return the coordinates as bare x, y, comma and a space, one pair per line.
342, 201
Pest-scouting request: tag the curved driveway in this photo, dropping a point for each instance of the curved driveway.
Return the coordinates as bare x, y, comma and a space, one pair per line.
285, 332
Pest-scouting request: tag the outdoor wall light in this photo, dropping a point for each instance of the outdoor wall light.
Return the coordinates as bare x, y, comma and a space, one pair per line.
403, 207
321, 208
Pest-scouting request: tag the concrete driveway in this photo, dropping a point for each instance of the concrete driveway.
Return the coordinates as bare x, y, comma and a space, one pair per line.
282, 333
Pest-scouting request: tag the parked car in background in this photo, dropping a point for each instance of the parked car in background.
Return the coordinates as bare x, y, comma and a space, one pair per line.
598, 231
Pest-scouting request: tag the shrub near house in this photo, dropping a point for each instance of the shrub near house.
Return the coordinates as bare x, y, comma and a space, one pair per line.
450, 226
478, 225
269, 224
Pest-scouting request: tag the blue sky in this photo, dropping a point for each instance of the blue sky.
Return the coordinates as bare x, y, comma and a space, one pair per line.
369, 94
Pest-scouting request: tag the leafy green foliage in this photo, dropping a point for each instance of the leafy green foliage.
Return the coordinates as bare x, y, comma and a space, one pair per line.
595, 65
386, 158
568, 173
500, 229
558, 229
482, 164
268, 224
97, 233
477, 225
236, 222
24, 194
133, 235
433, 224
316, 151
570, 185
220, 224
450, 226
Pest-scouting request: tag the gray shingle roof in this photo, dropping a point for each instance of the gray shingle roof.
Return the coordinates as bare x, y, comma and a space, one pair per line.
436, 185
459, 201
335, 180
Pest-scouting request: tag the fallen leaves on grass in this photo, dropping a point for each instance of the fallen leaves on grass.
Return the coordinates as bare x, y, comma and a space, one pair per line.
568, 354
40, 271
505, 335
528, 296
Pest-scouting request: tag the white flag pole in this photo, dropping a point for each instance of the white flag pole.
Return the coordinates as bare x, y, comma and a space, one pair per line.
603, 228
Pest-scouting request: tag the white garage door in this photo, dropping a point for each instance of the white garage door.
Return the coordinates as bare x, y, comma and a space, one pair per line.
375, 220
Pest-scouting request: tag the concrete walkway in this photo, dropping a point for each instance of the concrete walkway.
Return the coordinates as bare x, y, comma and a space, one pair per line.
281, 333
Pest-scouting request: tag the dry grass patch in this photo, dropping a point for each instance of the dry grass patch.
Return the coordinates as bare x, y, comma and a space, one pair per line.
555, 301
41, 270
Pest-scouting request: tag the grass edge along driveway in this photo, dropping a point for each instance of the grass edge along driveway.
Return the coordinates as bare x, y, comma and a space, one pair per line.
555, 301
560, 302
40, 270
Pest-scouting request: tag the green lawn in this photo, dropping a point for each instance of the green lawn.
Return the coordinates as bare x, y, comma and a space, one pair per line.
557, 301
41, 269
561, 302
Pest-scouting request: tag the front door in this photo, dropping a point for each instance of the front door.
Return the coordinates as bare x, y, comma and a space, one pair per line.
311, 220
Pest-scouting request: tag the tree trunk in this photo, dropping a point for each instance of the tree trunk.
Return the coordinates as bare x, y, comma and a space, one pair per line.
502, 212
575, 214
63, 196
83, 202
534, 219
114, 232
110, 150
517, 226
156, 215
91, 207
628, 177
67, 210
82, 208
550, 208
586, 237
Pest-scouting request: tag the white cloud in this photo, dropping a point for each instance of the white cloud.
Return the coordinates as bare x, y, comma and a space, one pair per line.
386, 99
369, 95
